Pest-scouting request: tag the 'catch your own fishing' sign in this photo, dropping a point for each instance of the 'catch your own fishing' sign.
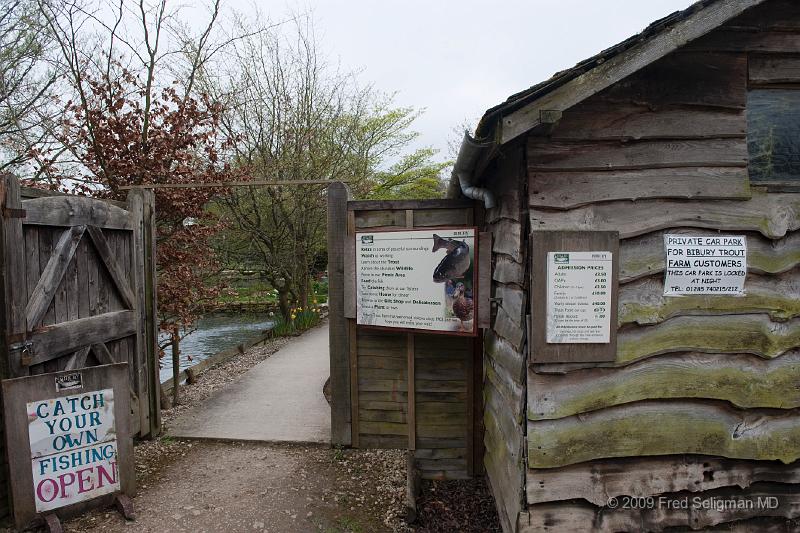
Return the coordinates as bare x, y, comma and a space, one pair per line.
417, 279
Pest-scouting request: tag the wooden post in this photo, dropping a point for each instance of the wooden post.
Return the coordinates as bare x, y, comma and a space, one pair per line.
339, 343
14, 295
412, 377
141, 371
151, 309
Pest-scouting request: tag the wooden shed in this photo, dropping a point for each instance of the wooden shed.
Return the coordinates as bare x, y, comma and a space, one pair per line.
688, 415
691, 128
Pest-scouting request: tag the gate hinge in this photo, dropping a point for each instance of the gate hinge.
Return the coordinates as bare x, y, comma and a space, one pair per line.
13, 213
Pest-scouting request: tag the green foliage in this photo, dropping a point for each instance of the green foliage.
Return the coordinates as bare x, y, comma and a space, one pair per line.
415, 176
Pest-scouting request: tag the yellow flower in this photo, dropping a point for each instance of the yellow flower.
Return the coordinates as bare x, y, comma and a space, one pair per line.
293, 316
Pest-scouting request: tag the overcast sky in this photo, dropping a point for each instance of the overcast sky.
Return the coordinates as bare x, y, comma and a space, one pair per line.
457, 58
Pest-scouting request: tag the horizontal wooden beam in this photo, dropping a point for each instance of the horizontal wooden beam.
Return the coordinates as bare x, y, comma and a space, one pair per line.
643, 301
586, 156
51, 342
772, 215
226, 184
401, 205
664, 428
644, 255
641, 477
755, 334
76, 211
677, 511
567, 190
744, 380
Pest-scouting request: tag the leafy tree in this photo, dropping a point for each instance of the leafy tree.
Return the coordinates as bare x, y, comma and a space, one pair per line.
290, 116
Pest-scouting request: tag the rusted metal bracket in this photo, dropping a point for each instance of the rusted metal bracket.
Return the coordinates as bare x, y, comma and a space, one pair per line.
13, 213
125, 506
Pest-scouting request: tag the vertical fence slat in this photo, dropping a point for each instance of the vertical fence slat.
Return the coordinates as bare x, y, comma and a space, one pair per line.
341, 428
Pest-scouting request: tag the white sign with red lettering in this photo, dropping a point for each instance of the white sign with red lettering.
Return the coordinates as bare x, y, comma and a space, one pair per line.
73, 448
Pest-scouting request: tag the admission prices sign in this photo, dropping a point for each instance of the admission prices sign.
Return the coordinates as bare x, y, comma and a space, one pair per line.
579, 297
712, 264
417, 279
73, 448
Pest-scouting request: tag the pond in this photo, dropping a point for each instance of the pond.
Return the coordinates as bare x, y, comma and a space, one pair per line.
215, 332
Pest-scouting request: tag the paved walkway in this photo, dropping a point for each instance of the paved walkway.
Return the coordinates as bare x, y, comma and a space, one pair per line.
278, 400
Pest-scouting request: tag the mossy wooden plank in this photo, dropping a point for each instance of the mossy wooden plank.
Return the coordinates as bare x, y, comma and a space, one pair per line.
638, 477
507, 239
506, 327
505, 355
567, 190
743, 380
667, 513
512, 393
664, 428
755, 334
599, 119
643, 301
644, 255
507, 270
772, 215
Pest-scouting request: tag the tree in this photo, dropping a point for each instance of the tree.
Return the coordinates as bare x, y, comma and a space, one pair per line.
289, 116
25, 78
131, 122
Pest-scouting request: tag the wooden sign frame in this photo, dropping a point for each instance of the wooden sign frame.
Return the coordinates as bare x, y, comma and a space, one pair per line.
476, 278
542, 242
16, 395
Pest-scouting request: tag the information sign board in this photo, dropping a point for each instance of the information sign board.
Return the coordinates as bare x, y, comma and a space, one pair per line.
420, 279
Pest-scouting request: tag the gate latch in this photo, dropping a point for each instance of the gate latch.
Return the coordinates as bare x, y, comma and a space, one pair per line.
24, 348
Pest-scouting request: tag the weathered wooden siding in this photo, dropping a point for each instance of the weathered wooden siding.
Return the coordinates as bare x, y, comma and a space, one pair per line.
702, 398
504, 345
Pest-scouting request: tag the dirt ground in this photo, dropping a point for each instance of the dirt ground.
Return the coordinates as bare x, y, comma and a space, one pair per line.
237, 487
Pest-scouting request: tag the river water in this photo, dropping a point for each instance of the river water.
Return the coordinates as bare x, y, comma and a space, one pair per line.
215, 332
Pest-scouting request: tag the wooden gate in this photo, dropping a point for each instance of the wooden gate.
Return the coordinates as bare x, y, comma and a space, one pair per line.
78, 289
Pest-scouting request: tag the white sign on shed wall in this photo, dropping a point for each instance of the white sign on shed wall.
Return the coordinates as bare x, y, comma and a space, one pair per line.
579, 297
705, 264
